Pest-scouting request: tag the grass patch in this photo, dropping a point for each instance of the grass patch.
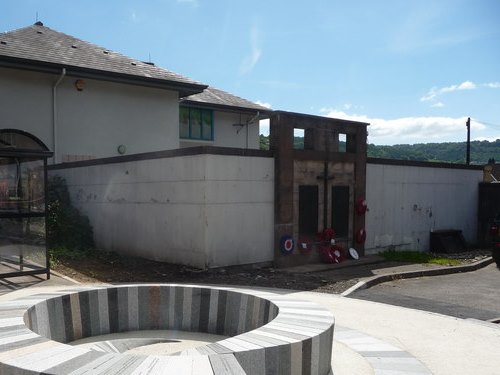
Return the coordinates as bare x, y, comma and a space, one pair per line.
60, 255
417, 257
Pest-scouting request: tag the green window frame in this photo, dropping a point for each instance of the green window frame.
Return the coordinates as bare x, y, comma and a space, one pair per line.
196, 123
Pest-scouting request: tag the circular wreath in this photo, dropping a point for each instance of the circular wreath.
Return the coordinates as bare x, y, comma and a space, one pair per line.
287, 244
332, 253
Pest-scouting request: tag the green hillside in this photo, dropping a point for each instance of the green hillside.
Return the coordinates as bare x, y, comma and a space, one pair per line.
450, 152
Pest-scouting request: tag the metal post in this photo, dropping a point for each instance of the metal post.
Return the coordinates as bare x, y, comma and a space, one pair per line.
467, 157
325, 195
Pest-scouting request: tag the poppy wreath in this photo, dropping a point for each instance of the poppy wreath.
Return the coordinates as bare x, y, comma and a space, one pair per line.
326, 235
326, 255
361, 236
332, 254
361, 206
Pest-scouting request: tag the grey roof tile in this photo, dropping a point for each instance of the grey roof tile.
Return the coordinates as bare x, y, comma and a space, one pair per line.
215, 97
40, 45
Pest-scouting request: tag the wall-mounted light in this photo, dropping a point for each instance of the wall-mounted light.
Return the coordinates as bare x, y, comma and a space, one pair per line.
122, 149
79, 84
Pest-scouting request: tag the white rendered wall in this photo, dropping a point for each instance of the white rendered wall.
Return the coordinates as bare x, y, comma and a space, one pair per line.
105, 115
91, 123
406, 203
227, 135
203, 210
26, 103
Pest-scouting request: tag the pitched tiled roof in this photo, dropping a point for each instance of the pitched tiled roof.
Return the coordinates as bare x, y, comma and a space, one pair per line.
213, 97
41, 48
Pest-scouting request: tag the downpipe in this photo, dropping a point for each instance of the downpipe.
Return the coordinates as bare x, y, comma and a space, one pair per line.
54, 114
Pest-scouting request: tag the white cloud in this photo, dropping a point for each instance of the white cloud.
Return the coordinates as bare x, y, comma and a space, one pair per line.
437, 105
492, 85
435, 91
264, 127
467, 85
431, 95
253, 58
264, 104
410, 129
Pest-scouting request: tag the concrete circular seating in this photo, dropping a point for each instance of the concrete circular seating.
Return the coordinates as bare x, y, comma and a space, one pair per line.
269, 333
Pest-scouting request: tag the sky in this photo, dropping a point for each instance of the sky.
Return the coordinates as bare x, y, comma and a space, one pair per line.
413, 69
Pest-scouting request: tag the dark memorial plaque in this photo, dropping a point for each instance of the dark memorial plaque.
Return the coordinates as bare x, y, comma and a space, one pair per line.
308, 209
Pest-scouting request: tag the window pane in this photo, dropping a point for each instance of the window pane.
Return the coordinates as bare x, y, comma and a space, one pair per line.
23, 238
196, 123
22, 185
207, 125
342, 142
12, 139
184, 122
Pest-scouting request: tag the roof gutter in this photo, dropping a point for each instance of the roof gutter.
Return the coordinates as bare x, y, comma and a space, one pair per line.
263, 113
54, 115
184, 88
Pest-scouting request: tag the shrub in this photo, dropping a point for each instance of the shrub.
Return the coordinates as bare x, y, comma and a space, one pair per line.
67, 229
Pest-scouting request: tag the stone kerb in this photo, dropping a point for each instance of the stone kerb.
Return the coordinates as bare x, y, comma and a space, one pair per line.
268, 333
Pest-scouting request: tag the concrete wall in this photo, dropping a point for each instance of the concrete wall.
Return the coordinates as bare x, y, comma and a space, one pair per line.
91, 123
227, 135
407, 202
239, 209
202, 210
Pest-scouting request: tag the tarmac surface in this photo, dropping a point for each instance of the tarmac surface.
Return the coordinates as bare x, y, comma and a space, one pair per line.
463, 295
372, 337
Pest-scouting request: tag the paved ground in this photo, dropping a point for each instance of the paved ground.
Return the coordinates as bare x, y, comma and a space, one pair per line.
18, 283
464, 295
376, 338
445, 345
353, 352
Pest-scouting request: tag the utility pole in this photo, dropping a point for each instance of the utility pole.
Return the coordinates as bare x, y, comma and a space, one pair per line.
467, 156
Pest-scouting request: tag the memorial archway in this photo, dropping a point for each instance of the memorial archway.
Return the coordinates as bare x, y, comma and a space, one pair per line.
23, 204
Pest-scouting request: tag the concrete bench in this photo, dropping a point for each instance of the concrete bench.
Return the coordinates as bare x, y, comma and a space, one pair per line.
268, 333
